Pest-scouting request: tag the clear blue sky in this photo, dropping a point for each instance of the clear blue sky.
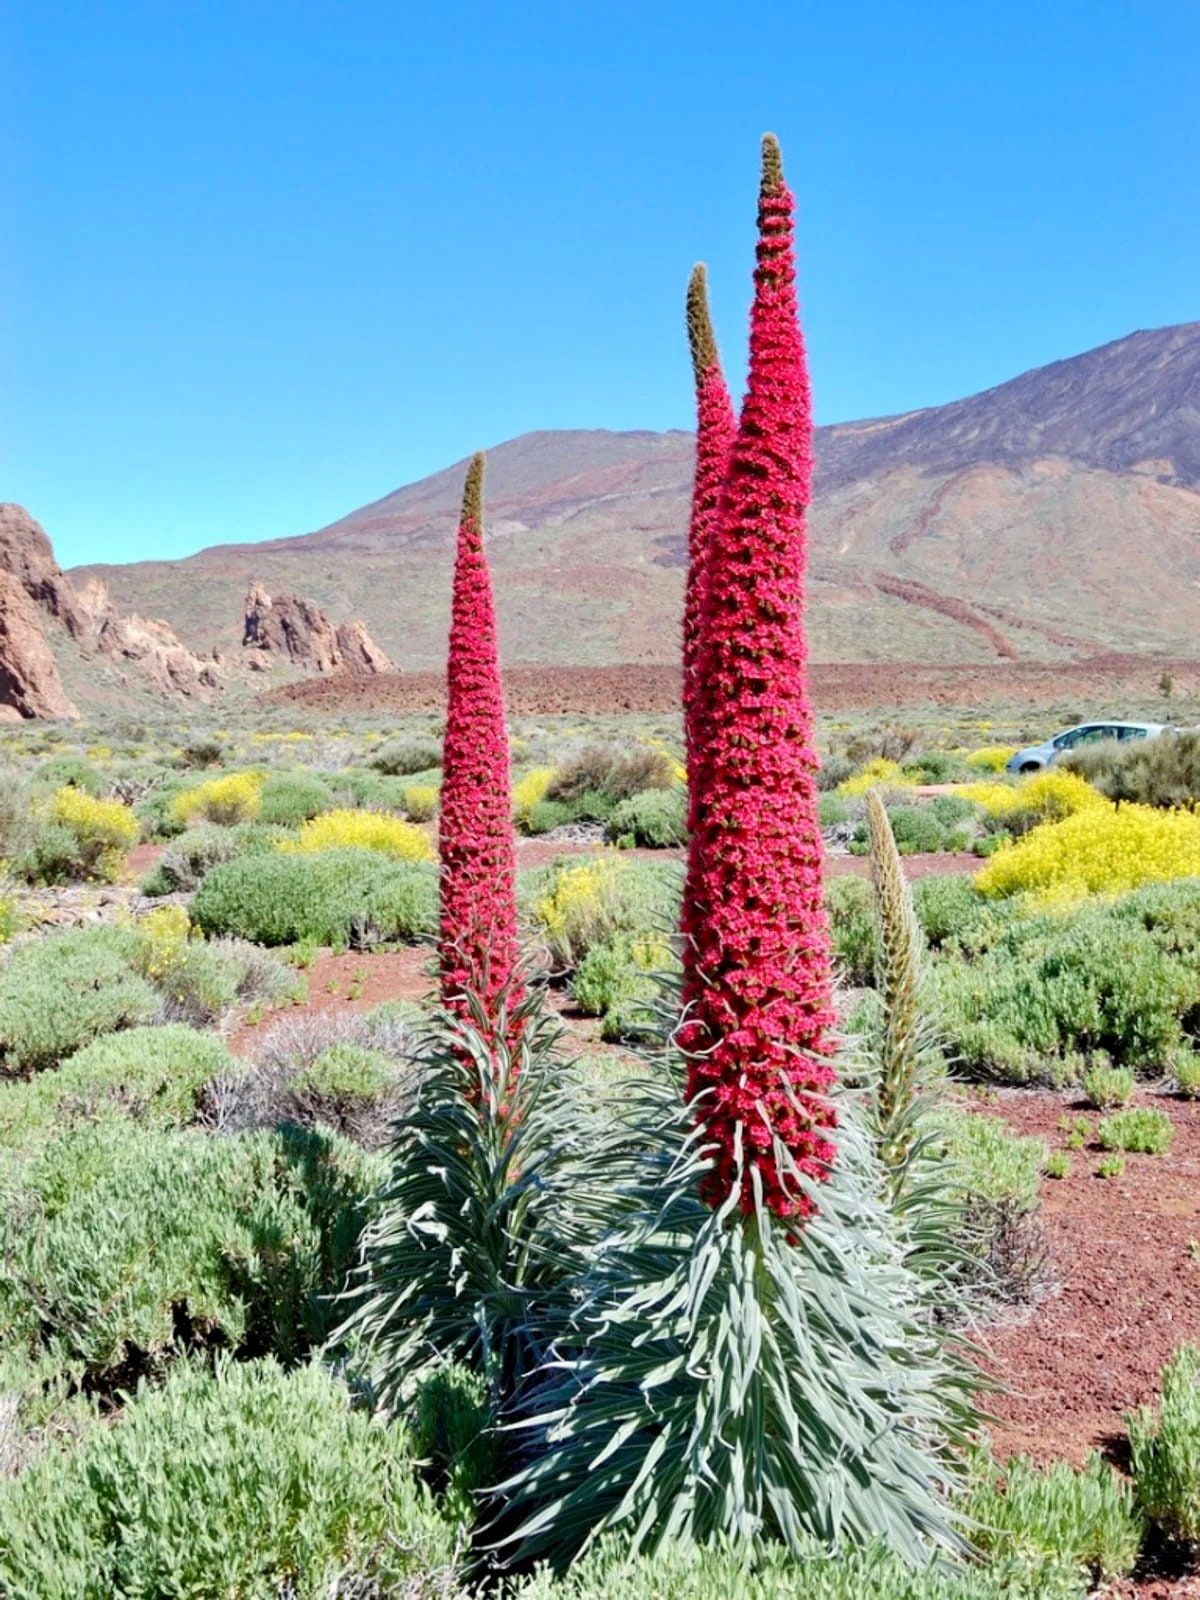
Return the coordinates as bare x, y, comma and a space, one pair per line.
264, 262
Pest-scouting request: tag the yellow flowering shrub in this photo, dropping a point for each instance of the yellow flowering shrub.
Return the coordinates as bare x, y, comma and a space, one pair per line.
879, 771
1046, 796
360, 830
1102, 849
103, 829
530, 791
579, 909
237, 797
162, 941
420, 801
990, 757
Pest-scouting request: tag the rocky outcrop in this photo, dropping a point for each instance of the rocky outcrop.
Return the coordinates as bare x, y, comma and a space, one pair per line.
28, 555
149, 644
294, 629
30, 685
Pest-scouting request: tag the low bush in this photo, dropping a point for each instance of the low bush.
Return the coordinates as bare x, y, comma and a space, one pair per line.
16, 814
195, 852
547, 815
153, 1076
1087, 1518
1164, 1449
1047, 993
451, 1417
877, 773
1102, 849
400, 758
61, 992
130, 1246
1186, 1071
421, 802
679, 1574
1107, 1086
577, 903
850, 906
81, 837
247, 1480
832, 810
529, 791
69, 771
235, 797
1140, 1129
361, 830
616, 980
990, 757
1003, 1256
611, 773
1162, 772
290, 798
355, 898
656, 819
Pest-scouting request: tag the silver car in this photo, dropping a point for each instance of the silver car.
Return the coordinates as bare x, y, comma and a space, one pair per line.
1037, 756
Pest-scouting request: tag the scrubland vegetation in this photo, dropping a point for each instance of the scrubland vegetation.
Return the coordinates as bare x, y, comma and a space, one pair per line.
642, 1254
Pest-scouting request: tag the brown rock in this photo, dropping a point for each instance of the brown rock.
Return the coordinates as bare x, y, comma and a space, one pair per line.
148, 643
29, 677
26, 552
289, 626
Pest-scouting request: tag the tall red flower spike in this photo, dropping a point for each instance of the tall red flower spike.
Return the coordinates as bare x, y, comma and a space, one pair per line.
478, 945
757, 972
715, 429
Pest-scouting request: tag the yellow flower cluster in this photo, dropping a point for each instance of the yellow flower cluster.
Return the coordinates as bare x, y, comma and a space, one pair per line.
990, 757
879, 771
162, 936
420, 801
234, 798
1049, 795
530, 791
1104, 849
360, 830
577, 909
104, 829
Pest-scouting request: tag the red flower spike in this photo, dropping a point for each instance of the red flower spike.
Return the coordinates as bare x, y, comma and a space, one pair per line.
757, 970
715, 429
478, 945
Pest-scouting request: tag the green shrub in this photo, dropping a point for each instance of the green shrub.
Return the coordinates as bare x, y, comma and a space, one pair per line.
1058, 1165
616, 981
69, 771
130, 1246
247, 1481
1141, 1129
547, 815
1164, 1449
1187, 1074
850, 905
290, 798
198, 850
952, 809
947, 907
603, 775
1086, 1518
339, 897
450, 1422
16, 814
1162, 772
1111, 1166
677, 1574
578, 901
1001, 1245
151, 1075
401, 758
832, 810
1048, 993
916, 829
1107, 1086
656, 819
61, 992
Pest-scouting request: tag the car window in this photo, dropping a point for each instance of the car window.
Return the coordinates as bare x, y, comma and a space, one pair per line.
1131, 733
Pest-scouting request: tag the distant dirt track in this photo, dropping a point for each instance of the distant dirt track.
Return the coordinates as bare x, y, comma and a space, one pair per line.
835, 686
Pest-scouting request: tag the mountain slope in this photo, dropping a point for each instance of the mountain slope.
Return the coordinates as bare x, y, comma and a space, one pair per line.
1053, 516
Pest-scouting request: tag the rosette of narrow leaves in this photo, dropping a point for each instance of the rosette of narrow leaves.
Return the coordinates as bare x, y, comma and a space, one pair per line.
731, 1381
472, 1241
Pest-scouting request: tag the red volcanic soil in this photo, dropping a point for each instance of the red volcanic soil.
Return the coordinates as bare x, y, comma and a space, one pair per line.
835, 686
1126, 1286
355, 981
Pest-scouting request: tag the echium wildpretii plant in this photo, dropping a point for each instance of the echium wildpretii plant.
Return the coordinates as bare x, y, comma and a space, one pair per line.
478, 923
753, 1361
471, 1240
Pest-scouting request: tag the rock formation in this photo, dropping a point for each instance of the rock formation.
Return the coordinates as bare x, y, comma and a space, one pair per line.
26, 552
290, 627
149, 644
30, 685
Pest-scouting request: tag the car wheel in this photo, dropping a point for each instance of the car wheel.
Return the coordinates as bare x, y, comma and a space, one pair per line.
1031, 766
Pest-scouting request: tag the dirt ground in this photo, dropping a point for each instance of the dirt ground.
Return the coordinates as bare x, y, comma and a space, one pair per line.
835, 686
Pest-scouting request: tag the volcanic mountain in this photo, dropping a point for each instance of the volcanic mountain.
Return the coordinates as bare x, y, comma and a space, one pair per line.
1054, 516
